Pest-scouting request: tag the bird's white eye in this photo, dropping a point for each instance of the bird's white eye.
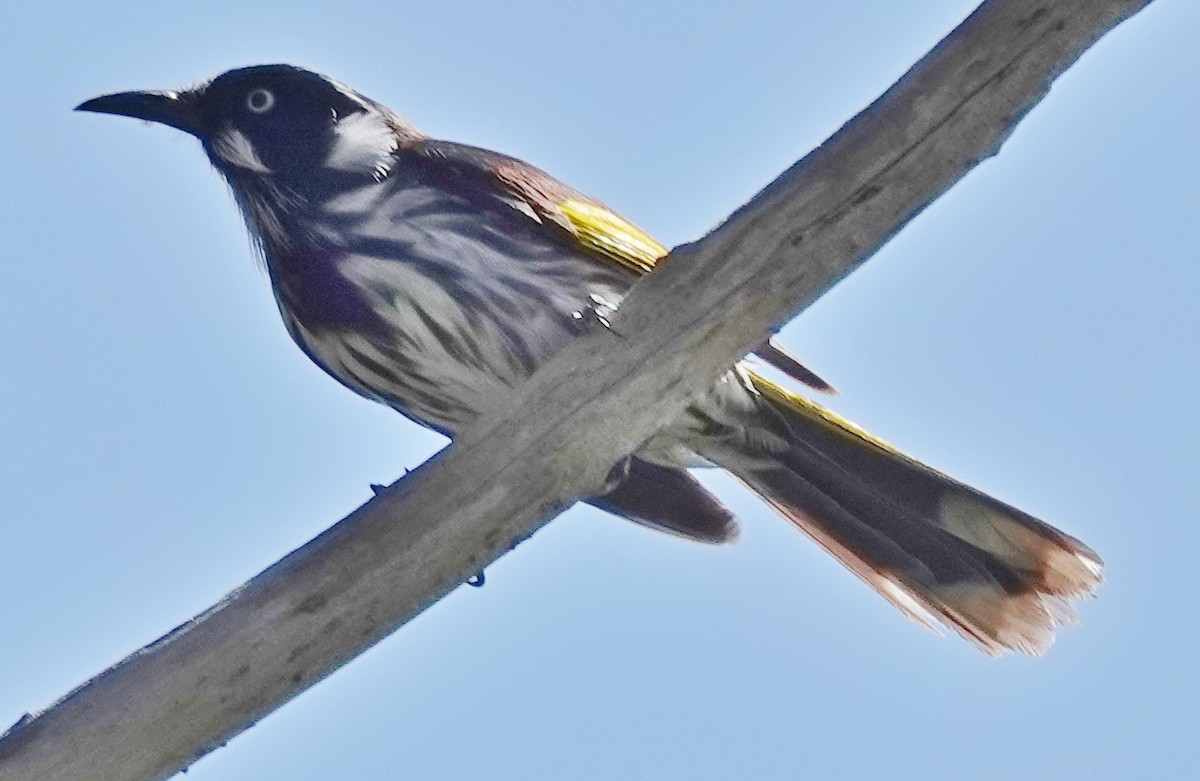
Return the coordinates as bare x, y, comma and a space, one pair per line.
260, 101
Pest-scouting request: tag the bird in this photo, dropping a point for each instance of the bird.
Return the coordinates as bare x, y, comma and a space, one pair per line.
434, 277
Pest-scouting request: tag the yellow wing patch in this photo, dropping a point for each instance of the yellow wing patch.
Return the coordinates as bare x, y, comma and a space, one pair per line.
810, 409
612, 236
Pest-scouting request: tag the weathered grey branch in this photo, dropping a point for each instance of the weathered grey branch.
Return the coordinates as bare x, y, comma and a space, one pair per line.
158, 710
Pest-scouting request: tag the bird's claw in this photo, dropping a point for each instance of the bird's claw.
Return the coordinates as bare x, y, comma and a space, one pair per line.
599, 311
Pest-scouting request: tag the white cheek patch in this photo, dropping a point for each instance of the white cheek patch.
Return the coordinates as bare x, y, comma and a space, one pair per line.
232, 146
362, 142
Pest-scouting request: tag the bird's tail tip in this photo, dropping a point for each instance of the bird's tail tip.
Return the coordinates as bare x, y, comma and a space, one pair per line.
937, 549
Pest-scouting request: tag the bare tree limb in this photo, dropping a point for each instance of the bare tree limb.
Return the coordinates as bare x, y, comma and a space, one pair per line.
155, 712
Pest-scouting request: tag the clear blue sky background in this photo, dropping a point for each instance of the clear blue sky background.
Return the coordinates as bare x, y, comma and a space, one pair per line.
1033, 332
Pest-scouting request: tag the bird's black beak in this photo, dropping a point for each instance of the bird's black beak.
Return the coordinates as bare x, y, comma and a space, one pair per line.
168, 108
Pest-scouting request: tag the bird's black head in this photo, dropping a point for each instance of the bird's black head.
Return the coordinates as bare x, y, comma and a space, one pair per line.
278, 121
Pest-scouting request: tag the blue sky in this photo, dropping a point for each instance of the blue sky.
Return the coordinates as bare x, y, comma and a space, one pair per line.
1033, 332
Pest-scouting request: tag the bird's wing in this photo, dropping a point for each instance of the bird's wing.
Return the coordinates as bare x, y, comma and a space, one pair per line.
563, 212
567, 214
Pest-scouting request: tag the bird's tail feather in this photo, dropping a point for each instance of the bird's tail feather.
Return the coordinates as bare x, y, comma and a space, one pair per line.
930, 545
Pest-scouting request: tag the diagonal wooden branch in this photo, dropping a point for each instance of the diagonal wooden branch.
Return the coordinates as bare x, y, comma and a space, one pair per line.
158, 710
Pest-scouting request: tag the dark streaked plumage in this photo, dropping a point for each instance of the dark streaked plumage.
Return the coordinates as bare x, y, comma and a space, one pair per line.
434, 277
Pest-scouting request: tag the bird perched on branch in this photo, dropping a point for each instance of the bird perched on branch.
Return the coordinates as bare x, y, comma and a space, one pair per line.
433, 277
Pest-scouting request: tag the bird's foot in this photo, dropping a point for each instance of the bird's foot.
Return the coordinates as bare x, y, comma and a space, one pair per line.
598, 312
